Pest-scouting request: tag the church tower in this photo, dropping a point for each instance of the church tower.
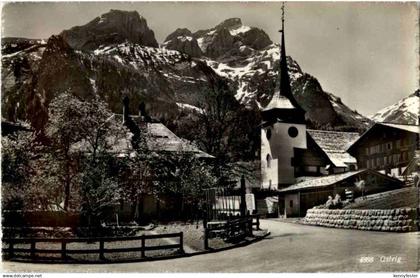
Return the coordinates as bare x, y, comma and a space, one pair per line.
282, 131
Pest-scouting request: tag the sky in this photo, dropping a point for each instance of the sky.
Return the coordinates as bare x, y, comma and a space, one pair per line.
365, 53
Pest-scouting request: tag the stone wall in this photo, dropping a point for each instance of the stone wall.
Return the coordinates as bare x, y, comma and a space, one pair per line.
389, 220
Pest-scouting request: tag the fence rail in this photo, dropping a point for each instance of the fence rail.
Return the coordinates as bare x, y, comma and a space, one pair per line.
101, 251
231, 229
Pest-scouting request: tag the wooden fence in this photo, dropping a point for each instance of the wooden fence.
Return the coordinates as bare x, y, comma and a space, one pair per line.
101, 251
231, 229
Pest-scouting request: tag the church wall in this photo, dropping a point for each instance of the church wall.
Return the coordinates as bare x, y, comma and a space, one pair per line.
281, 147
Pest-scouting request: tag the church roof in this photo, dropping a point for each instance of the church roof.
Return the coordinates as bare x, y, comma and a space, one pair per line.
283, 98
335, 144
279, 101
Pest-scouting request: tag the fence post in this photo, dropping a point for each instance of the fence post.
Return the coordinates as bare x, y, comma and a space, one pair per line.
206, 239
33, 242
258, 222
242, 206
63, 250
143, 245
181, 242
101, 250
11, 248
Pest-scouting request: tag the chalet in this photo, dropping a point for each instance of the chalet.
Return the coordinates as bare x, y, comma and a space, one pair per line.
158, 138
312, 191
386, 147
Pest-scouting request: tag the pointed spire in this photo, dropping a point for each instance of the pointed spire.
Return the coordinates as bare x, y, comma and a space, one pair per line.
285, 89
284, 99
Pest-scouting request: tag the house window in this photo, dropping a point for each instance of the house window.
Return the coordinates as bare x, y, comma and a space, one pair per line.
367, 151
368, 163
268, 161
398, 143
389, 146
291, 204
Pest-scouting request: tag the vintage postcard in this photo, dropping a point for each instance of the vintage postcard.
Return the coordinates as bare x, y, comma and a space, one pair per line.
210, 137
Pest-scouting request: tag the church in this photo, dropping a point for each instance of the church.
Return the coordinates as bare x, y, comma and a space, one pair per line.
306, 166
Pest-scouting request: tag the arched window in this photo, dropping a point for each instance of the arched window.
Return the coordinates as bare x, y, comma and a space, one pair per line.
268, 161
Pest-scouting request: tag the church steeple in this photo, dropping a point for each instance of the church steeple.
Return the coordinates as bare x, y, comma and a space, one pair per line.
285, 89
283, 106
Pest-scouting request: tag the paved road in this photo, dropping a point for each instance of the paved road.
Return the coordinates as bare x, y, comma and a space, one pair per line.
290, 248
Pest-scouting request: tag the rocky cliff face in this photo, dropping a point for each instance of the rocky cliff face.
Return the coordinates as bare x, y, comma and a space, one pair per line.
226, 39
116, 54
183, 41
110, 28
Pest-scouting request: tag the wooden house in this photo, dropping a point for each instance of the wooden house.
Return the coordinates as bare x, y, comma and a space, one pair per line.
386, 147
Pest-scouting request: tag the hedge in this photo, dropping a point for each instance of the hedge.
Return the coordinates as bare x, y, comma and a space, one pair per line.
389, 220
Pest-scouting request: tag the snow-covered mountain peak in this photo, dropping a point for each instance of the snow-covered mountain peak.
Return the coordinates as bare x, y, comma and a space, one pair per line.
405, 111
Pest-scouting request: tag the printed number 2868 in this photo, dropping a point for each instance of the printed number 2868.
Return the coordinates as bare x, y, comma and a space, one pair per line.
367, 260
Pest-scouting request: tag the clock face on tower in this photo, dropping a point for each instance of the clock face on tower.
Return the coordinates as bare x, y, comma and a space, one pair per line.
293, 131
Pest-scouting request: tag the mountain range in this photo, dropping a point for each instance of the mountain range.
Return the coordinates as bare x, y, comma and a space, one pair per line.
117, 54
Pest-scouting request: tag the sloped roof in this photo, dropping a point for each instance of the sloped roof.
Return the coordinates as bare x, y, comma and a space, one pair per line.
161, 139
320, 182
280, 102
335, 145
158, 139
409, 128
315, 182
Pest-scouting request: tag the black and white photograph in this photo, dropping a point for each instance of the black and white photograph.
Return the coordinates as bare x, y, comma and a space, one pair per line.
210, 138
